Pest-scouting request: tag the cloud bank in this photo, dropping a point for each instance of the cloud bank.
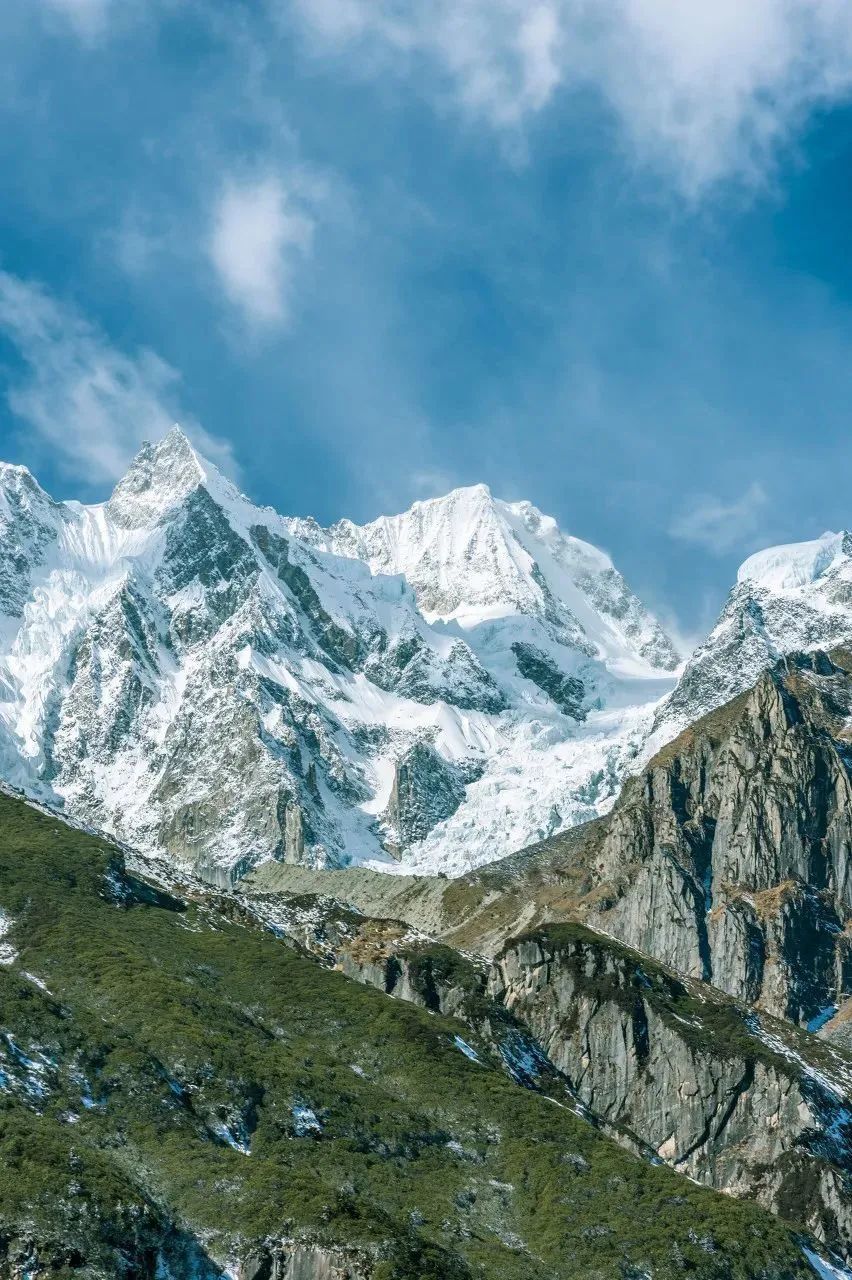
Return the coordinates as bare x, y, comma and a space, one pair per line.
703, 91
87, 17
720, 526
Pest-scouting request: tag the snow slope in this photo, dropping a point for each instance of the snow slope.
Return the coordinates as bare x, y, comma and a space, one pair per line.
790, 598
475, 560
212, 681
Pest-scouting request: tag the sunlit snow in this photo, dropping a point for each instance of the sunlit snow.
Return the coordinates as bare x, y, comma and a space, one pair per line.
113, 665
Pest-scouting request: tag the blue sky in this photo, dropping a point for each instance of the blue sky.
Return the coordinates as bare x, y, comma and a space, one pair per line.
596, 255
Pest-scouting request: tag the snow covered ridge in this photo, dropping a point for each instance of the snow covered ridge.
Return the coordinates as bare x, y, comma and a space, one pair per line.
790, 598
210, 681
473, 559
206, 679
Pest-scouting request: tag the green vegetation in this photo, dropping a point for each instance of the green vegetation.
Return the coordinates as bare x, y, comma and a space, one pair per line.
169, 1036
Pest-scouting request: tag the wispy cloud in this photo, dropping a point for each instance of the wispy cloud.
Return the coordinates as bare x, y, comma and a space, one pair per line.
430, 482
87, 17
705, 91
502, 56
260, 232
721, 526
89, 403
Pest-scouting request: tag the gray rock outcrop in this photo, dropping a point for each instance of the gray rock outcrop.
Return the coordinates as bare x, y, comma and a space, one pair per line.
426, 790
694, 1078
730, 858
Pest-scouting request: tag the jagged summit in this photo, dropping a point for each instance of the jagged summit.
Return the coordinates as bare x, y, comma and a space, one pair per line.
787, 599
16, 473
208, 679
797, 564
214, 681
159, 477
475, 559
457, 551
20, 490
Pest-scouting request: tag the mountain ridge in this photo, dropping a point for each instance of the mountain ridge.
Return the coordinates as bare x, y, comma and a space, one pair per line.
185, 1094
422, 693
248, 709
797, 596
134, 617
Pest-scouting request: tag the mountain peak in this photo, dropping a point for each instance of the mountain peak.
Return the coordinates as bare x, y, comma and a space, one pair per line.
472, 559
456, 551
177, 443
464, 493
796, 564
159, 477
19, 483
787, 599
465, 507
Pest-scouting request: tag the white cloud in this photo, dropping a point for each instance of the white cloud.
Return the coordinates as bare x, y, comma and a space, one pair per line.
500, 55
705, 90
721, 526
260, 232
87, 402
429, 482
88, 17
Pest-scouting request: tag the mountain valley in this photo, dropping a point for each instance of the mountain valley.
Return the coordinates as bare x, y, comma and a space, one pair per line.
395, 902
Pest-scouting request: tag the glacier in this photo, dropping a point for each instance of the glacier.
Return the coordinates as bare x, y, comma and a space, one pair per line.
211, 681
218, 684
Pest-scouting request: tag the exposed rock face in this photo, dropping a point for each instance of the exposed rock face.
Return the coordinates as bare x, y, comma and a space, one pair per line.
686, 1075
410, 668
566, 691
838, 1029
426, 790
729, 858
728, 861
306, 1262
674, 1070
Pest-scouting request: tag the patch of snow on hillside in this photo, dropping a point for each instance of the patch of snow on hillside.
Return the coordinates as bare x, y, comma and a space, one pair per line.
826, 1270
8, 954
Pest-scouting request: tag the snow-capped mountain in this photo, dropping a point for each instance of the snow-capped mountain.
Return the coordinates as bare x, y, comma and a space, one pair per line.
208, 679
475, 560
786, 599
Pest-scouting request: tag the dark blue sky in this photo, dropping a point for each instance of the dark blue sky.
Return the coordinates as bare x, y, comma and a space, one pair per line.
604, 265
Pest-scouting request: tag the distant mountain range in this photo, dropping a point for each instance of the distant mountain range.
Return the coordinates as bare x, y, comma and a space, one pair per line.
209, 680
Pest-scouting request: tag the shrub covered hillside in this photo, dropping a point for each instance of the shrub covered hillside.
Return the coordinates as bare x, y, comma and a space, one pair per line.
183, 1096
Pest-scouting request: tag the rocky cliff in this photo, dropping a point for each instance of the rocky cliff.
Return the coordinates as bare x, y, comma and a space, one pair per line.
724, 867
729, 858
672, 1069
734, 1101
183, 1094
